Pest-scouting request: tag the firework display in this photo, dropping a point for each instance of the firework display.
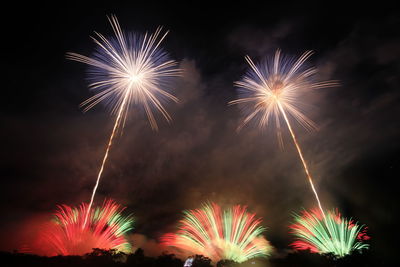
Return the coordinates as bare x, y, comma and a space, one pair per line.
131, 72
127, 70
232, 234
272, 89
68, 234
331, 234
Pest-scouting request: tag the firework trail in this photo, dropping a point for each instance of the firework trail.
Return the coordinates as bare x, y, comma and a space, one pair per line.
69, 234
126, 70
332, 234
232, 234
272, 89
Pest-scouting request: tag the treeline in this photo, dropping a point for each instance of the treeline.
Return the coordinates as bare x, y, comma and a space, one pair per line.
111, 258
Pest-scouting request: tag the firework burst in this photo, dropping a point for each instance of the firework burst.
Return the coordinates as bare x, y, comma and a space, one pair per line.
272, 89
69, 234
232, 234
331, 234
127, 70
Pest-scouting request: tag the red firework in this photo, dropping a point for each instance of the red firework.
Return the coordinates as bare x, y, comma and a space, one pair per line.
68, 234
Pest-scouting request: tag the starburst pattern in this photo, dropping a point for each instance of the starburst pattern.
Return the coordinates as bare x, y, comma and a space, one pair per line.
127, 70
272, 89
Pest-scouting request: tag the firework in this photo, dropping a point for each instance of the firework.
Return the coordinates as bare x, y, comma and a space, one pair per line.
272, 89
127, 70
331, 234
68, 234
232, 234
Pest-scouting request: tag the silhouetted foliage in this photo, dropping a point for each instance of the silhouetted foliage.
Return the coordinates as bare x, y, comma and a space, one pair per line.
138, 259
112, 258
168, 260
227, 263
103, 257
201, 261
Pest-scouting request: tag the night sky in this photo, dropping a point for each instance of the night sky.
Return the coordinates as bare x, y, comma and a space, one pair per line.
51, 150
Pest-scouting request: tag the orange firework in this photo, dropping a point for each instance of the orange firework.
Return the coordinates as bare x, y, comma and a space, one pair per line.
272, 89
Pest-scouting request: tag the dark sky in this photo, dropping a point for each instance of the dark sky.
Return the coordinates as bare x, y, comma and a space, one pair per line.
51, 150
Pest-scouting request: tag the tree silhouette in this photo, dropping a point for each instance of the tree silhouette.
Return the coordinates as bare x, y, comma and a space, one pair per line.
112, 258
138, 259
168, 260
227, 263
201, 261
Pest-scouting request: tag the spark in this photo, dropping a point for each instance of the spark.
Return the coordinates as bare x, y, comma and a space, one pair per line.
272, 89
128, 70
232, 234
331, 234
